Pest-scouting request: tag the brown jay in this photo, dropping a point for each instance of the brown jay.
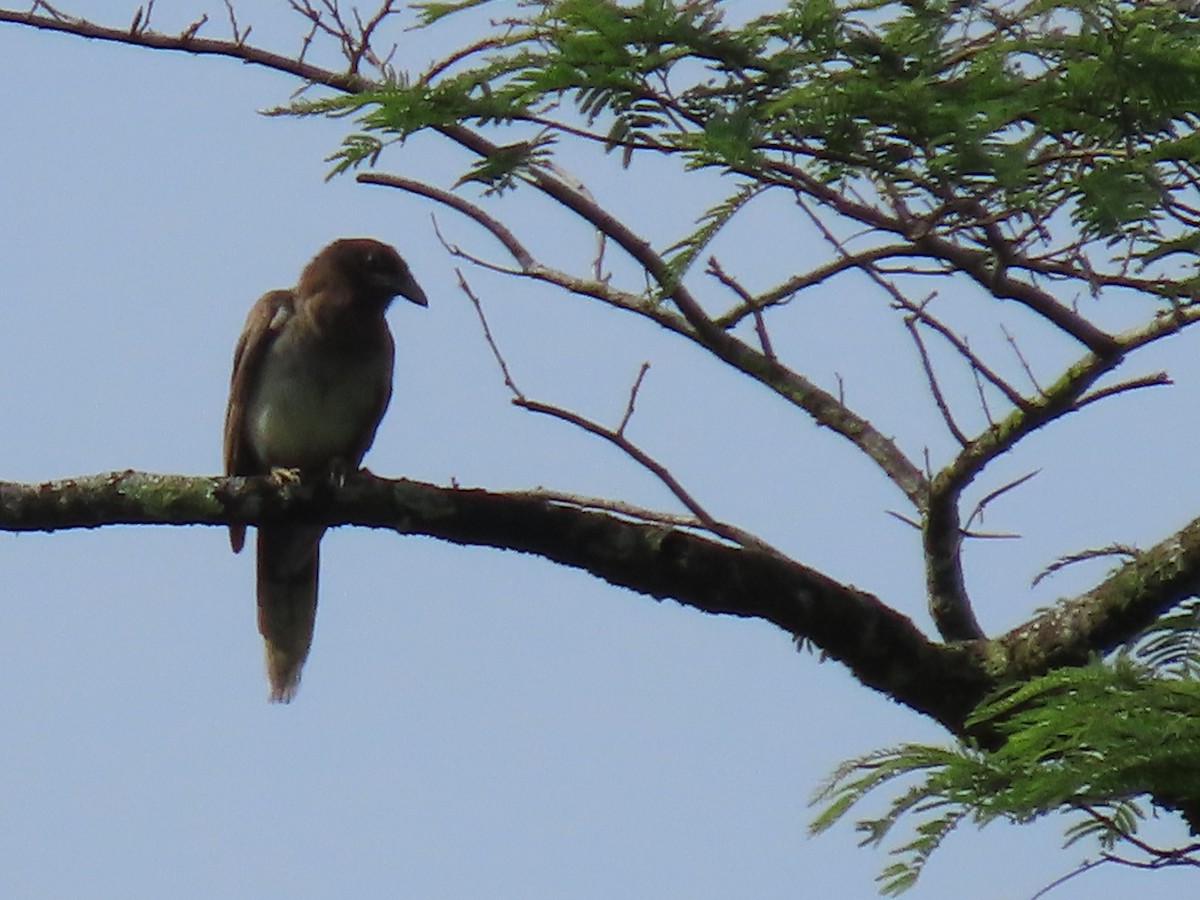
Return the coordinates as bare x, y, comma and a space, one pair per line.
312, 376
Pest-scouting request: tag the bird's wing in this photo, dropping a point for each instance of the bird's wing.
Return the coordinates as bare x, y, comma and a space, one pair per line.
263, 324
383, 396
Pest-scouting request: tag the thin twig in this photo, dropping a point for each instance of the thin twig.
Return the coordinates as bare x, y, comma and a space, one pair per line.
1082, 556
722, 529
1179, 856
437, 67
983, 401
1085, 866
998, 492
497, 229
239, 36
921, 312
781, 294
1157, 379
459, 253
931, 378
617, 437
487, 334
141, 19
1012, 342
760, 325
190, 32
903, 518
633, 393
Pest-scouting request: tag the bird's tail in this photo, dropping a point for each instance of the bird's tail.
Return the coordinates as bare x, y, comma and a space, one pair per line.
288, 562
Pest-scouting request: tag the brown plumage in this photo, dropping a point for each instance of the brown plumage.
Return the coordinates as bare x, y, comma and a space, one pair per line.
312, 376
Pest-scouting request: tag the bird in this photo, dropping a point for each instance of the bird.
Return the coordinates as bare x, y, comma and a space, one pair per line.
312, 377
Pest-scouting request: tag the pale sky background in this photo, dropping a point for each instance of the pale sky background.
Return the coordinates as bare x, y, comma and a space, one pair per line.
472, 723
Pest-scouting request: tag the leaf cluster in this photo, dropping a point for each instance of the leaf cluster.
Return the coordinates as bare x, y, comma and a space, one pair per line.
1099, 741
983, 115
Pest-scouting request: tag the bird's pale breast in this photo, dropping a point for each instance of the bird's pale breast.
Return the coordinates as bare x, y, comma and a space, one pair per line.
304, 415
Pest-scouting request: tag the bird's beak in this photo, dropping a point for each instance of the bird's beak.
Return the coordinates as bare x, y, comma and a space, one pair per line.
410, 290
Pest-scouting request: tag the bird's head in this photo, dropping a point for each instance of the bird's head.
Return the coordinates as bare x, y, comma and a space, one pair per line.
373, 269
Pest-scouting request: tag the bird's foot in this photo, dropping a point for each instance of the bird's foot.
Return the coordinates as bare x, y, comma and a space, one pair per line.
340, 471
283, 475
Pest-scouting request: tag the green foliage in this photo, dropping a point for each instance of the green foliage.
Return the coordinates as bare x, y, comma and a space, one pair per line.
1094, 741
501, 170
680, 256
976, 116
432, 12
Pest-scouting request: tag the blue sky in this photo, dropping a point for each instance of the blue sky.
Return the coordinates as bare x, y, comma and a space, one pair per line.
472, 723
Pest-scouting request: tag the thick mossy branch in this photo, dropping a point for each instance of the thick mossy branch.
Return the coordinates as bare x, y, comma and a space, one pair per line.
881, 647
1121, 606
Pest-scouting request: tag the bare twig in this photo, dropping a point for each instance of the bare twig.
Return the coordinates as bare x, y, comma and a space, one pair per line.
1168, 858
998, 492
307, 41
190, 32
1012, 342
1156, 379
141, 19
439, 66
1082, 556
921, 312
931, 379
496, 228
905, 519
633, 393
983, 401
50, 11
366, 33
760, 325
239, 35
992, 535
722, 529
458, 252
615, 437
1085, 866
487, 334
781, 294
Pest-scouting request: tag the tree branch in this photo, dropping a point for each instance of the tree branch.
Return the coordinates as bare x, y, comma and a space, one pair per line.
825, 409
187, 42
977, 264
880, 646
1120, 606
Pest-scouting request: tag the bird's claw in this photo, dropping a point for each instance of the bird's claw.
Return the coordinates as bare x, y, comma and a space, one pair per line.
340, 470
283, 475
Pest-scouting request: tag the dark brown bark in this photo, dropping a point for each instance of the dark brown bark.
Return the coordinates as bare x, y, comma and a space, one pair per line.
883, 648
